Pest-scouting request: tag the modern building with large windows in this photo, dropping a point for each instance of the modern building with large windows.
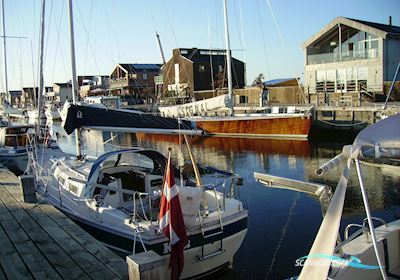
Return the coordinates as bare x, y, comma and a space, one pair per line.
351, 58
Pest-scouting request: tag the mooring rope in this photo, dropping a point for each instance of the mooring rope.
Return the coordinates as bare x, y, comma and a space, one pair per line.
345, 125
284, 230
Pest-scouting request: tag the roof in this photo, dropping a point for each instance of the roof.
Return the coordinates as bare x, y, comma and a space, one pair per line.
134, 67
63, 84
277, 81
378, 29
203, 55
384, 27
15, 92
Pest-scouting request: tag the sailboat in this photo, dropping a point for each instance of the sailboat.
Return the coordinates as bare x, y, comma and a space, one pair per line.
116, 197
293, 123
13, 138
370, 252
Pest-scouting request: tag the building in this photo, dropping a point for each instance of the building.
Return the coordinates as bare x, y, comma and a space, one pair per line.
193, 70
30, 95
135, 80
62, 92
352, 58
93, 85
282, 91
16, 96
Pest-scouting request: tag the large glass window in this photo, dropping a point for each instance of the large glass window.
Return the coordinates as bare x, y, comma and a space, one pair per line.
355, 45
320, 84
351, 79
341, 80
330, 80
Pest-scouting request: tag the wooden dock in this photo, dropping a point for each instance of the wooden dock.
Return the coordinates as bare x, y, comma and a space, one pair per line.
37, 241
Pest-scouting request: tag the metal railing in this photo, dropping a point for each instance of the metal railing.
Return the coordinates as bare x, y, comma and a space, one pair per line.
344, 56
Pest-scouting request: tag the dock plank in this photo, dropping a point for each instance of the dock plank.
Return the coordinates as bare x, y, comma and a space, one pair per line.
31, 256
2, 274
83, 258
98, 250
10, 261
61, 262
37, 241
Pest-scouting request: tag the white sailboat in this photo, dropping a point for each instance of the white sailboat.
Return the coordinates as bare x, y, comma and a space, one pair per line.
13, 138
369, 253
116, 197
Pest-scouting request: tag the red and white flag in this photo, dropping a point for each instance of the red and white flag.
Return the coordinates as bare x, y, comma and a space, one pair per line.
171, 221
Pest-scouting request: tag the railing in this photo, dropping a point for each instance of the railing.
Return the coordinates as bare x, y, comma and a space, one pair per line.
345, 56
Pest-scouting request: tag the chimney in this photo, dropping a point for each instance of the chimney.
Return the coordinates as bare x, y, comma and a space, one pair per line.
390, 20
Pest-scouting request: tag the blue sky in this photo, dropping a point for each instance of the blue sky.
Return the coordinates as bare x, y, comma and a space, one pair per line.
112, 31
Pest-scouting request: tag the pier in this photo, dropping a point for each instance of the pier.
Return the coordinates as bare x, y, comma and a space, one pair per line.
346, 116
37, 241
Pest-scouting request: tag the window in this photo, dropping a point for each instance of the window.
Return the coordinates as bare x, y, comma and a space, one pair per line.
243, 99
61, 180
144, 76
73, 188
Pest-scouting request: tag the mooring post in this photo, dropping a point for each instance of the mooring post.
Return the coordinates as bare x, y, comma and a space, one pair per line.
27, 183
146, 266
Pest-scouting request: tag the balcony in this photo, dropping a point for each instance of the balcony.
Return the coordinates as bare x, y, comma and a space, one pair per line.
346, 56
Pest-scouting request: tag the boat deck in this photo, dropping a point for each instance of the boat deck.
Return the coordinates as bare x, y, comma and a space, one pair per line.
39, 242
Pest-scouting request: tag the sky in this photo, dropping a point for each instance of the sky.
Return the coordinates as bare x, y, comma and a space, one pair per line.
108, 32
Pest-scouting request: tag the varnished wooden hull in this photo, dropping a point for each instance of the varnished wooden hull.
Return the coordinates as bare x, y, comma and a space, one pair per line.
267, 127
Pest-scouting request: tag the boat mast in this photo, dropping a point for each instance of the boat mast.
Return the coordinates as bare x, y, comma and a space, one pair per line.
228, 57
7, 93
160, 47
41, 83
74, 82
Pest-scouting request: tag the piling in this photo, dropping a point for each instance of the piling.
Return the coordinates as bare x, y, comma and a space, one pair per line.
146, 266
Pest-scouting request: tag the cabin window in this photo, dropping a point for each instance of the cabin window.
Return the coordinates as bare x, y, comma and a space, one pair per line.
144, 76
61, 180
73, 188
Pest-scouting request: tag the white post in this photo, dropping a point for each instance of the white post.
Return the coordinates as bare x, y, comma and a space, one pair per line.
7, 94
75, 97
228, 56
369, 217
41, 83
340, 43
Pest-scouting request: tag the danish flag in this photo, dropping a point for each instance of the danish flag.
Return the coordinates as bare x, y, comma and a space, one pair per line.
171, 221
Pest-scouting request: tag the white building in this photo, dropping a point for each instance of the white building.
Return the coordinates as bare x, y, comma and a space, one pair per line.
62, 92
351, 57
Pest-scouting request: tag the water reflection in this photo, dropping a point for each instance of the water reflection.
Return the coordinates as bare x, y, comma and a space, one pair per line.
282, 224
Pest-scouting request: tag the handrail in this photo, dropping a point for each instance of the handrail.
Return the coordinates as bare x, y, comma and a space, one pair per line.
376, 219
346, 230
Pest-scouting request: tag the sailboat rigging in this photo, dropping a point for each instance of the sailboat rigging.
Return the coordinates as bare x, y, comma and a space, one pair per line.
116, 196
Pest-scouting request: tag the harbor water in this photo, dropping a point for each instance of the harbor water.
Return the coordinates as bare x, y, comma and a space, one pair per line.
282, 224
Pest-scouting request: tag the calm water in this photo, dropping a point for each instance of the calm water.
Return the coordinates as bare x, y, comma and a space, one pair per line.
282, 224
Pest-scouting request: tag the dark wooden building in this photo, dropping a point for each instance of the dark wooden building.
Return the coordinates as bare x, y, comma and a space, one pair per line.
136, 80
192, 70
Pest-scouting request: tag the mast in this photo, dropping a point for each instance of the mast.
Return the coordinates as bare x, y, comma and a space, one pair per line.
7, 93
41, 83
74, 80
161, 49
228, 57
